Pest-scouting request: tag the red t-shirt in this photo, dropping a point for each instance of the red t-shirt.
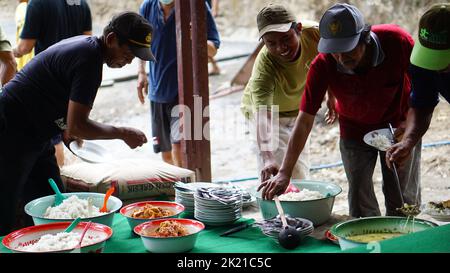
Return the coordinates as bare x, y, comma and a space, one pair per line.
368, 101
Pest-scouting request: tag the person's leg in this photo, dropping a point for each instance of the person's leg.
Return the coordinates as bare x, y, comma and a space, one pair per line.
175, 133
409, 176
176, 154
161, 131
359, 162
215, 70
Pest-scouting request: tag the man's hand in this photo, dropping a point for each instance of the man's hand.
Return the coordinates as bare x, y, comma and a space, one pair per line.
142, 86
398, 153
270, 169
133, 137
274, 186
67, 139
331, 115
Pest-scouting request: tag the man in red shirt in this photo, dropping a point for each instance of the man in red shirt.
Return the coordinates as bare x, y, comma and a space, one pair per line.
365, 68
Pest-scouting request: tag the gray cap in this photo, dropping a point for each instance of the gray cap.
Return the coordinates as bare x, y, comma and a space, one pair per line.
340, 29
274, 18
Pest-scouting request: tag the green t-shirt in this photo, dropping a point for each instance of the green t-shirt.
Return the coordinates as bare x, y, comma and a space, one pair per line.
5, 45
277, 82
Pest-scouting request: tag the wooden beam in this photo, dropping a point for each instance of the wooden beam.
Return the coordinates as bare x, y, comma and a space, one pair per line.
193, 85
201, 88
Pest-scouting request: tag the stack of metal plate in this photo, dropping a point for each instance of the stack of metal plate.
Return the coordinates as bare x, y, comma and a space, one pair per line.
184, 194
217, 206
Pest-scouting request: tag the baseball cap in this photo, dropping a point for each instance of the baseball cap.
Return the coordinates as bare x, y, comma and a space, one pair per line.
274, 18
137, 31
432, 51
340, 29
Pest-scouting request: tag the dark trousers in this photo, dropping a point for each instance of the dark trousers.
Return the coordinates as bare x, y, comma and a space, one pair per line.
359, 162
25, 167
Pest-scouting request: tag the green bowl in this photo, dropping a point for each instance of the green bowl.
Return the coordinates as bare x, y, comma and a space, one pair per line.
381, 224
317, 211
37, 208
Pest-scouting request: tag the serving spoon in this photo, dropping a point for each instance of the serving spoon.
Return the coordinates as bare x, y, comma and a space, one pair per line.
105, 201
406, 209
288, 237
59, 197
72, 225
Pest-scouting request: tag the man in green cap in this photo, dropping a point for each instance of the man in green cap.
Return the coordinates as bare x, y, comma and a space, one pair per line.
430, 73
277, 84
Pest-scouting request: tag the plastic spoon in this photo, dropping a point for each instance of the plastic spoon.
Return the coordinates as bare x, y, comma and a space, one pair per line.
289, 237
84, 233
59, 197
73, 225
105, 201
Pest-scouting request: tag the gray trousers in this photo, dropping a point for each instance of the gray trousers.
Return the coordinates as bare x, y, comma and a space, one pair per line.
359, 162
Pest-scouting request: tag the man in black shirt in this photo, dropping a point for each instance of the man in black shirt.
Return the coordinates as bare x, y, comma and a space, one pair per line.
54, 93
48, 22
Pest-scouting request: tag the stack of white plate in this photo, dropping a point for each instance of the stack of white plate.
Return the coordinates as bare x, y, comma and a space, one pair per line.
217, 206
184, 194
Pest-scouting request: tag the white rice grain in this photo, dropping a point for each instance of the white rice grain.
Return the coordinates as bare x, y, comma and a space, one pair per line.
303, 195
71, 208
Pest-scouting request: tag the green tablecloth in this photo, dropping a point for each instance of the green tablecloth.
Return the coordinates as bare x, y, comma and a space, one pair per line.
248, 240
251, 240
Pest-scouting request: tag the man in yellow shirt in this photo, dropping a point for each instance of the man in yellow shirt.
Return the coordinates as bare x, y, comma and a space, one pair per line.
272, 96
21, 11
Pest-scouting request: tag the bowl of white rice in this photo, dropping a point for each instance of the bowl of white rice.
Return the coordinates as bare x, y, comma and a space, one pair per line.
85, 205
51, 238
314, 201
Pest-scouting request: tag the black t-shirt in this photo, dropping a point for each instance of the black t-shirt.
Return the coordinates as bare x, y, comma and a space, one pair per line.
50, 21
40, 92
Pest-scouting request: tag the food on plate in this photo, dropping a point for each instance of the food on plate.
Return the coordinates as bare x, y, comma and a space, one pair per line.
58, 242
372, 237
303, 195
150, 212
168, 229
73, 207
438, 207
409, 210
380, 141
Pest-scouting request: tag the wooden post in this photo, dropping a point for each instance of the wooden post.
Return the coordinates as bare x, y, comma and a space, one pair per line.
193, 91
